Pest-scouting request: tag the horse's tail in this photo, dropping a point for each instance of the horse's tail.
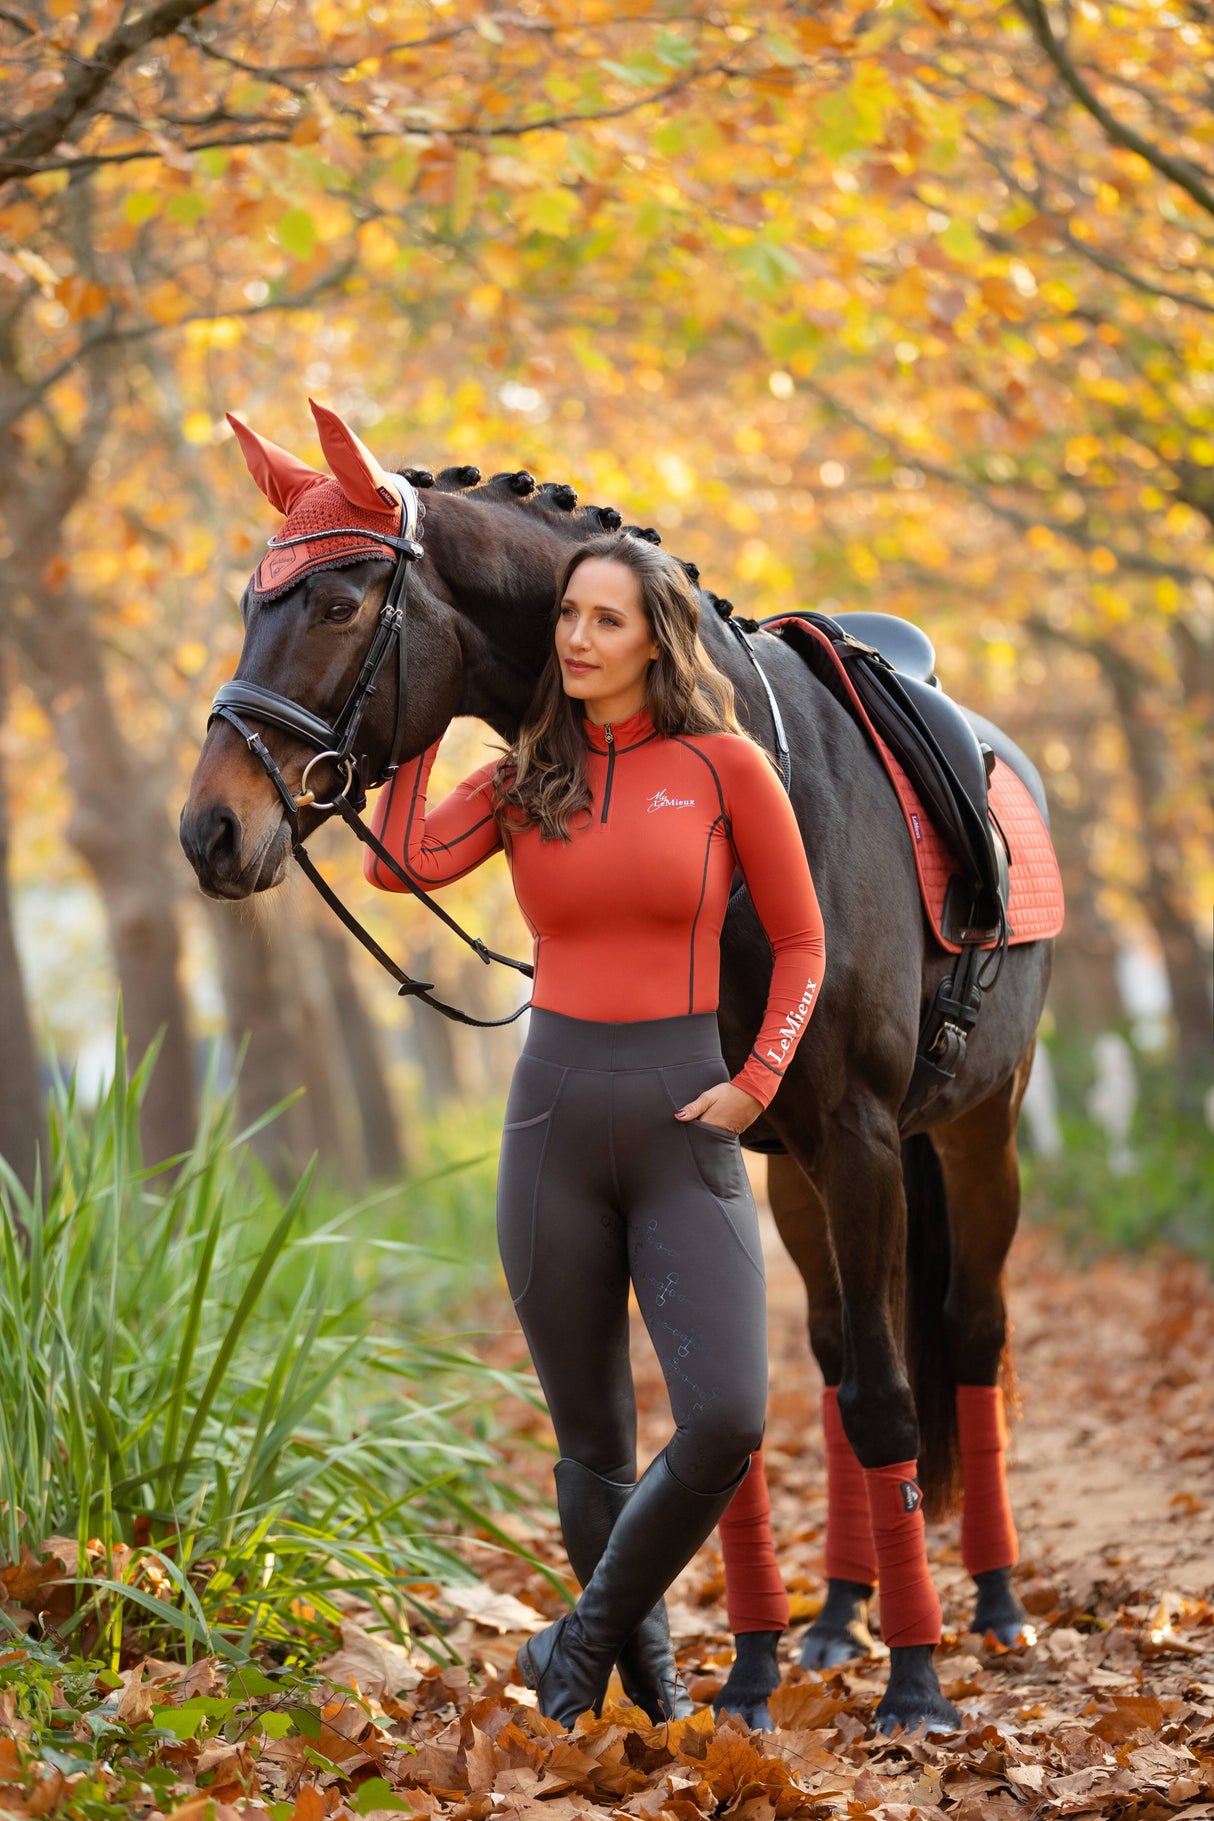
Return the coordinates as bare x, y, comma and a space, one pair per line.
928, 1259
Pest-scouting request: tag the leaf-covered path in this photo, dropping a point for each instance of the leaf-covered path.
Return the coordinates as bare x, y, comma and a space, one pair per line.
1109, 1713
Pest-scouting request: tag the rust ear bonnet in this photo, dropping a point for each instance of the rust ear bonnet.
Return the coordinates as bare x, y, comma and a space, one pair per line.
361, 496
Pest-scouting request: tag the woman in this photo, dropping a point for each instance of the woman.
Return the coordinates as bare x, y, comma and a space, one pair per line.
624, 807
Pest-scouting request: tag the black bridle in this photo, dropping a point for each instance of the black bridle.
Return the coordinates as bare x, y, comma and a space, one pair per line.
336, 741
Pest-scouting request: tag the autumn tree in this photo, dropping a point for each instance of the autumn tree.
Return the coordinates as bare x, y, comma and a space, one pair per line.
864, 308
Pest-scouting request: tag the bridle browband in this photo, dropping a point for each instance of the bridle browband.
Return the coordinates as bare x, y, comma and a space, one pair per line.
336, 741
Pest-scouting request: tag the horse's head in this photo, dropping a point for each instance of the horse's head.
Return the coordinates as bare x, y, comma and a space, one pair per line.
319, 605
316, 611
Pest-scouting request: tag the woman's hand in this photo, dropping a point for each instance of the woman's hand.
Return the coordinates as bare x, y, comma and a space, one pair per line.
727, 1106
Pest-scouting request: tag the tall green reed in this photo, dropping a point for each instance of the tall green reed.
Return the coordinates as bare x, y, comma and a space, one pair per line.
230, 1445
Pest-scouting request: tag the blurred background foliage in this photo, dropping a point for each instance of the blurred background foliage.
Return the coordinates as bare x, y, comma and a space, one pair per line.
903, 306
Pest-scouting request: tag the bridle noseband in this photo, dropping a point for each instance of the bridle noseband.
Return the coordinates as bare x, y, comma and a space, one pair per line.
336, 741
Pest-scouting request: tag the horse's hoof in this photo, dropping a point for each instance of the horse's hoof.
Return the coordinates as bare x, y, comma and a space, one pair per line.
935, 1715
823, 1647
913, 1697
755, 1673
754, 1713
840, 1632
998, 1610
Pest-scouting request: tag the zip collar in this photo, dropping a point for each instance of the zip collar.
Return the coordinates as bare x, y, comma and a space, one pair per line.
618, 736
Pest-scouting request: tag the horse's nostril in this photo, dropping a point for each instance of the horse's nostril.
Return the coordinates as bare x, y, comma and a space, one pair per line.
222, 843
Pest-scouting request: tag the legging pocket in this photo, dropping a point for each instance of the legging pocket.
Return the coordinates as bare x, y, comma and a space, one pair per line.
518, 1182
716, 1152
716, 1155
535, 1090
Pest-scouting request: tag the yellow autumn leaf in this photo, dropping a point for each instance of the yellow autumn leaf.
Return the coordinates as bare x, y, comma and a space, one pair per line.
377, 247
554, 212
503, 263
219, 332
166, 303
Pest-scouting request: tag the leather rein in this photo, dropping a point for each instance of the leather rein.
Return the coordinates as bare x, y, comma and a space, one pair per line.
335, 741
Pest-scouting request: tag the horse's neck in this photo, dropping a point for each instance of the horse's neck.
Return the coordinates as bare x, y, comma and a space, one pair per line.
496, 566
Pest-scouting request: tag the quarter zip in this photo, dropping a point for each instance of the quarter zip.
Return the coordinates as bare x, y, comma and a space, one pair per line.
610, 739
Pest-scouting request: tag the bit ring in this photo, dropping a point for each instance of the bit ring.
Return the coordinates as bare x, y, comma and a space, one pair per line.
307, 798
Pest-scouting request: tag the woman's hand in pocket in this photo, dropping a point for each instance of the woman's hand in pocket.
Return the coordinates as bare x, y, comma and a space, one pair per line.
725, 1106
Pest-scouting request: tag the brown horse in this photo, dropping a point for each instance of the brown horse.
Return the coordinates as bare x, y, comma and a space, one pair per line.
899, 1226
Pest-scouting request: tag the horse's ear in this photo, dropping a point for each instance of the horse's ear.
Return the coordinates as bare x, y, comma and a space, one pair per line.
281, 476
355, 469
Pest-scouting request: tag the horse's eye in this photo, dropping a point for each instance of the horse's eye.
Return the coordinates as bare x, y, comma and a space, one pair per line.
340, 612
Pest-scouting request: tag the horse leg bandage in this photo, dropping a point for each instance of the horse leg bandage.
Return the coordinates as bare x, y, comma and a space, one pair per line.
851, 1554
910, 1609
988, 1534
755, 1595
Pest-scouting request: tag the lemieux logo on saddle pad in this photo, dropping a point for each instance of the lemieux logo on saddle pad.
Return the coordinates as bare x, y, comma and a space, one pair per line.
912, 1498
659, 800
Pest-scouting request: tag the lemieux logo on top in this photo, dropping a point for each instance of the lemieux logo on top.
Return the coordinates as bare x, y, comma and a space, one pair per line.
659, 800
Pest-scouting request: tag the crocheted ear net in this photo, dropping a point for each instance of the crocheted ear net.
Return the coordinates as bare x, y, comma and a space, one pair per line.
323, 507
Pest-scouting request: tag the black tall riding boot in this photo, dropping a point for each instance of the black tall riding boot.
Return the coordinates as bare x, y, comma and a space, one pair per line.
589, 1506
657, 1533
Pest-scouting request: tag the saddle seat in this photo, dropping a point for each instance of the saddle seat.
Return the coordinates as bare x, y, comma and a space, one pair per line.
900, 642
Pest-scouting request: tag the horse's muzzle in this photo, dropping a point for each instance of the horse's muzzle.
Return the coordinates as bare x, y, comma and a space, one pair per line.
213, 840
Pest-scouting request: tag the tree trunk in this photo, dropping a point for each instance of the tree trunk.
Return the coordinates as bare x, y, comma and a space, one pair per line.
120, 828
1084, 995
21, 1122
1166, 897
290, 1036
330, 1094
433, 1041
383, 1155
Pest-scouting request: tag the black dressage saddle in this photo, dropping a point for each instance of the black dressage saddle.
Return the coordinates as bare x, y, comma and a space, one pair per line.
948, 754
891, 665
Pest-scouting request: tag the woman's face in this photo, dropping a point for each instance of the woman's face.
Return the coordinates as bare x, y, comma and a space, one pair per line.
604, 642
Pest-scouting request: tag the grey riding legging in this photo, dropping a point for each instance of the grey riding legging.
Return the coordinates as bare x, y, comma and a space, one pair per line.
599, 1185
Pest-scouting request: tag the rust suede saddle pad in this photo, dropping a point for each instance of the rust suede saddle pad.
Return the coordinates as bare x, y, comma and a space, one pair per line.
1035, 898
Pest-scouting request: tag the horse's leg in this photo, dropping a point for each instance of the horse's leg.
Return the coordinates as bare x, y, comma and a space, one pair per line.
867, 1210
756, 1600
977, 1154
840, 1631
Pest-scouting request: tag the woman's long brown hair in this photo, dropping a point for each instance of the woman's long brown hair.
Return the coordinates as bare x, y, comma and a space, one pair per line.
541, 781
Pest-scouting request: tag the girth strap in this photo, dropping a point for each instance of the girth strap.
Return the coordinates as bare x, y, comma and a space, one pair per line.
783, 757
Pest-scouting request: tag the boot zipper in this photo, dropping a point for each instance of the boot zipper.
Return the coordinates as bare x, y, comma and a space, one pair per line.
610, 738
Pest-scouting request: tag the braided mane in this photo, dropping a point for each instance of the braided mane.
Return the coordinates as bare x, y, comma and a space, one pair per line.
556, 502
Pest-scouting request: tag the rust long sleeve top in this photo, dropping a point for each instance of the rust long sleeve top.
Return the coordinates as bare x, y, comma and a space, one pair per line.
626, 916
